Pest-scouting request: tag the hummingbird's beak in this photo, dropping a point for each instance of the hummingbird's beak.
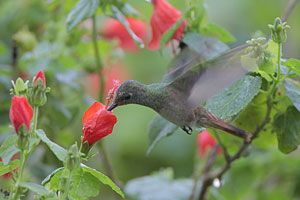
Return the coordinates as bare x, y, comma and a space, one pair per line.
112, 106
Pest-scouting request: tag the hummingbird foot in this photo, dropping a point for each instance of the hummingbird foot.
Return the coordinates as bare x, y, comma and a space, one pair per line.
187, 129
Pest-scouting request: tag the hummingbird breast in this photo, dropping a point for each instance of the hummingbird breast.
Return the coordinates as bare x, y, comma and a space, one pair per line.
176, 109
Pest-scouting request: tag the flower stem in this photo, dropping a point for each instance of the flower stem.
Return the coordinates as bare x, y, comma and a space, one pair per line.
98, 60
279, 62
24, 156
99, 64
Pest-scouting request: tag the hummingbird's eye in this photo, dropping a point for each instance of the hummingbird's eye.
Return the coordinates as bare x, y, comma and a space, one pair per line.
127, 97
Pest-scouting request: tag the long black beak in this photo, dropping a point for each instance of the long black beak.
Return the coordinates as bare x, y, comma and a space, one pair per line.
112, 106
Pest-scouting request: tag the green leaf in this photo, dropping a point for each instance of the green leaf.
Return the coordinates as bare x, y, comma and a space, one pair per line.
58, 151
234, 99
159, 186
83, 10
292, 90
198, 43
293, 64
287, 128
167, 36
10, 167
213, 30
122, 19
48, 178
159, 128
103, 179
36, 188
83, 185
8, 148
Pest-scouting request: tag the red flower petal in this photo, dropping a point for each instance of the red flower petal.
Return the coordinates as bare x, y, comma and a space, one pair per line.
40, 75
164, 17
20, 112
91, 111
113, 29
97, 123
205, 143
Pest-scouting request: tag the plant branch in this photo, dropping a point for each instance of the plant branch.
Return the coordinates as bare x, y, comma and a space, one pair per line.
208, 177
99, 65
24, 155
289, 8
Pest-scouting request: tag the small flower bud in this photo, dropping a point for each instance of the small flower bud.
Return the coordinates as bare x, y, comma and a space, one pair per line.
20, 112
38, 92
278, 30
19, 87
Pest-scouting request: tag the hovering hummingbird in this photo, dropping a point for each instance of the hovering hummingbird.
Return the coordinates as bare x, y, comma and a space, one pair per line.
196, 74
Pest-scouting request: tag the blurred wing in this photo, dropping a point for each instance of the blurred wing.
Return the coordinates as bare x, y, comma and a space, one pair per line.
205, 78
198, 50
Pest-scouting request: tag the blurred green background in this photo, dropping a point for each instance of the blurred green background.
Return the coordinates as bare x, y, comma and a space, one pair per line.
67, 58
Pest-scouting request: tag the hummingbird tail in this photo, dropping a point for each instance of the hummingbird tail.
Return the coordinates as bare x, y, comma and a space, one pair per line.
207, 119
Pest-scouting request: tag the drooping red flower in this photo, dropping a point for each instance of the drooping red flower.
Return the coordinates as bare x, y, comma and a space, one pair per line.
8, 175
20, 112
111, 73
113, 29
97, 123
40, 75
164, 17
205, 143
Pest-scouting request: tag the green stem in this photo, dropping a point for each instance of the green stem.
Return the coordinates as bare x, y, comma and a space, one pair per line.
98, 60
67, 187
279, 62
24, 156
99, 65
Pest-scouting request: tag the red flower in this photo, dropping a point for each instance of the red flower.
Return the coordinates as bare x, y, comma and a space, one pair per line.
164, 17
115, 72
97, 123
113, 29
20, 112
40, 75
206, 142
8, 175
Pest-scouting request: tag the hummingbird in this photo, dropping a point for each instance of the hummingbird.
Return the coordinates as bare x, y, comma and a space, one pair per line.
200, 71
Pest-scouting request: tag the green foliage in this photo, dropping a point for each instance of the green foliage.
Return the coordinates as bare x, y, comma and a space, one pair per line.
103, 179
292, 90
158, 129
8, 148
287, 128
9, 167
294, 65
36, 188
230, 102
84, 182
58, 151
213, 30
83, 10
160, 185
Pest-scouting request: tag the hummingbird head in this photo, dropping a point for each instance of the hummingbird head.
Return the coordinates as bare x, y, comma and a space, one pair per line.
127, 93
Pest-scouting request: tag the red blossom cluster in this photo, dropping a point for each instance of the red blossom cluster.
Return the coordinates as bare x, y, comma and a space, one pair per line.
97, 121
164, 16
